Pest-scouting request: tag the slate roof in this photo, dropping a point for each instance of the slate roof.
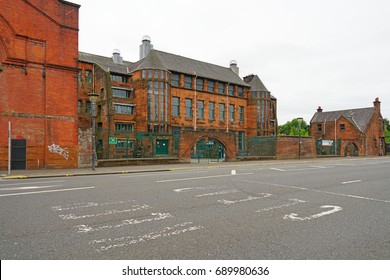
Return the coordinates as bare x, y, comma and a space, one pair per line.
360, 118
176, 63
255, 83
106, 63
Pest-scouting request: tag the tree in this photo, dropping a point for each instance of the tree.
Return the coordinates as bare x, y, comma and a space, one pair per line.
386, 125
291, 128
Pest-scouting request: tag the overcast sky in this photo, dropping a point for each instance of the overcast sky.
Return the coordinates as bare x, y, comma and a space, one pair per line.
332, 53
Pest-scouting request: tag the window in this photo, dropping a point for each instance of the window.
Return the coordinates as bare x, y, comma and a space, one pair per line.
319, 127
188, 108
211, 110
118, 78
221, 88
175, 80
88, 107
188, 82
222, 112
88, 76
143, 74
79, 104
124, 127
176, 106
200, 109
127, 109
342, 127
242, 115
121, 93
240, 91
199, 84
150, 100
231, 90
210, 86
125, 144
79, 77
241, 141
231, 112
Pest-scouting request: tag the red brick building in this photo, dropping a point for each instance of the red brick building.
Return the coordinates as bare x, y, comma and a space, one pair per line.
38, 72
353, 132
169, 105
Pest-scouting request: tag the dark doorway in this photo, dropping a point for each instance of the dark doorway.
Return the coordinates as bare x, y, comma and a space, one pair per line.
351, 150
18, 154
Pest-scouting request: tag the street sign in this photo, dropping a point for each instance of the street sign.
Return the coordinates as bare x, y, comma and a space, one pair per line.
112, 140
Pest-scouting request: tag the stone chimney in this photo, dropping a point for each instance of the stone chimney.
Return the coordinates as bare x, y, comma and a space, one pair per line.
234, 67
319, 109
145, 47
116, 57
377, 105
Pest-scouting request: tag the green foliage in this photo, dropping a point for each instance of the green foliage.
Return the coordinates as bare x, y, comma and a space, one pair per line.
291, 128
386, 124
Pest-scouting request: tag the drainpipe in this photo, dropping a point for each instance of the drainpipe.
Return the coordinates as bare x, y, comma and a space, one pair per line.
227, 108
195, 104
335, 138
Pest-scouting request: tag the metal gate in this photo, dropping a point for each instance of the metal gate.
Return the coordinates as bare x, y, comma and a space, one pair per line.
18, 154
210, 149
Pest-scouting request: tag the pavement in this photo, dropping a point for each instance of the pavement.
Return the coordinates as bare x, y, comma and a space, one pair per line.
46, 173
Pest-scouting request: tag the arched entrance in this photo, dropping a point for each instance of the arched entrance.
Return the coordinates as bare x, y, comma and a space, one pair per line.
208, 149
351, 150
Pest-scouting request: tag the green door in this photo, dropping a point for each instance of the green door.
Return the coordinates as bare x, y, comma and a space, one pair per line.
161, 147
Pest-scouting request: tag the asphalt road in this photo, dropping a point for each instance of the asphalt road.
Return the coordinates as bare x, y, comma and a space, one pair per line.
322, 209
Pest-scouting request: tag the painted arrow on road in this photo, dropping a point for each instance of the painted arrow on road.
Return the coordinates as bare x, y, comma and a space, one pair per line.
294, 217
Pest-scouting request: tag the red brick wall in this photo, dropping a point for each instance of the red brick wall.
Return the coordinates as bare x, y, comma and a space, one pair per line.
38, 79
287, 147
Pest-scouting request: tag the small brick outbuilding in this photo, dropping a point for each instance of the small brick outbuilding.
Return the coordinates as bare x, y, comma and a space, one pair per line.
351, 132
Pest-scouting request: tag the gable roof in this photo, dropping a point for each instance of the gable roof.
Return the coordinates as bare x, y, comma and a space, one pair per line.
360, 118
255, 83
176, 63
106, 63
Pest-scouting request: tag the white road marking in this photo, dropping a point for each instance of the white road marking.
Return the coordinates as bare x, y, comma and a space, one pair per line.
300, 169
155, 217
313, 190
277, 169
162, 173
51, 191
200, 178
28, 183
72, 216
125, 241
294, 202
86, 205
199, 188
29, 188
294, 217
218, 193
250, 198
351, 182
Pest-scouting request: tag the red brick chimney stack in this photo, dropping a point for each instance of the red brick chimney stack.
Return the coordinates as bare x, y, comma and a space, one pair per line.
377, 105
319, 109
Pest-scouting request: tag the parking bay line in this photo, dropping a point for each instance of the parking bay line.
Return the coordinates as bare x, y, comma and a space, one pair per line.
319, 191
200, 178
50, 191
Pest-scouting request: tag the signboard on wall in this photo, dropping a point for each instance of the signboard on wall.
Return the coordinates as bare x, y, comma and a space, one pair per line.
327, 142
